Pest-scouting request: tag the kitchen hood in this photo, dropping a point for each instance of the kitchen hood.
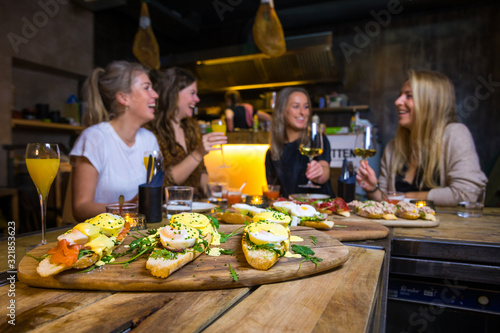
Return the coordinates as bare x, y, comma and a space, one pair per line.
309, 59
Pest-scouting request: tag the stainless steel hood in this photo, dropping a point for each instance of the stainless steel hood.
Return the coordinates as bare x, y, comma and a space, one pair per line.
309, 59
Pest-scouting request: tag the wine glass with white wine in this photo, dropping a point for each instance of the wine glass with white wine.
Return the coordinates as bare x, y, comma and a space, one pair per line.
365, 145
311, 147
42, 161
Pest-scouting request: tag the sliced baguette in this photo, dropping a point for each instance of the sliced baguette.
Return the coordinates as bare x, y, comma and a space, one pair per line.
318, 224
371, 215
344, 213
162, 268
233, 218
408, 215
261, 259
47, 268
389, 217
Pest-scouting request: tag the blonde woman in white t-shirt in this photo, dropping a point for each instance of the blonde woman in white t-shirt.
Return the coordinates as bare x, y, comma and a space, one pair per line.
107, 158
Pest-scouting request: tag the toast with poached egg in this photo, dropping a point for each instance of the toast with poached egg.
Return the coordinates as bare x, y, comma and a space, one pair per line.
85, 245
186, 237
263, 243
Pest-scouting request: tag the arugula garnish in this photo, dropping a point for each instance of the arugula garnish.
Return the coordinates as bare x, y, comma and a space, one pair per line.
141, 245
224, 237
83, 253
307, 253
215, 222
36, 258
313, 240
232, 273
228, 251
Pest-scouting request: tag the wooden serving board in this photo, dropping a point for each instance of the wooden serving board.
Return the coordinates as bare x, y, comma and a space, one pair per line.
388, 223
204, 273
356, 230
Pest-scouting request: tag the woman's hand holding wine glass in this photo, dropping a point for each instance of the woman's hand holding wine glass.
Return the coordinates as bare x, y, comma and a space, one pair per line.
312, 146
365, 145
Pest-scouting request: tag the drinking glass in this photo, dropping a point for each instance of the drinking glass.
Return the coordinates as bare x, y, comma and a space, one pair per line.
179, 199
272, 192
157, 161
42, 161
311, 146
219, 125
365, 145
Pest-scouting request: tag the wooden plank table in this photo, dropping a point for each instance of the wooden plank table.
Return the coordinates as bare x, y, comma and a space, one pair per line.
338, 300
484, 229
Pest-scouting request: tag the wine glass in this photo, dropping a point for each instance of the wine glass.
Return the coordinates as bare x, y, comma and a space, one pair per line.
219, 125
312, 146
156, 163
42, 161
365, 145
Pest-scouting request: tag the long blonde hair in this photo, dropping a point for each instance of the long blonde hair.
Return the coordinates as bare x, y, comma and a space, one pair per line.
434, 107
100, 89
278, 122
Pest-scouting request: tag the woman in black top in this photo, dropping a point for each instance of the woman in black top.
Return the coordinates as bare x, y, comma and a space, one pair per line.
285, 165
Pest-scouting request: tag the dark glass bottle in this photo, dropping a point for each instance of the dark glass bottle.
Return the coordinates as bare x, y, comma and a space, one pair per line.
346, 184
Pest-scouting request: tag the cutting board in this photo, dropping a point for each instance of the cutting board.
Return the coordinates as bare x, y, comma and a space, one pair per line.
356, 230
204, 273
388, 223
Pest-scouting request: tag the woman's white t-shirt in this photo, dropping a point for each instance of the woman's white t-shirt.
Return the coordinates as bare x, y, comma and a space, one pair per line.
121, 168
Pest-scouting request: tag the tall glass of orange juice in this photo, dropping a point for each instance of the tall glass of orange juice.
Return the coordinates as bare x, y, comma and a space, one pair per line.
42, 161
219, 125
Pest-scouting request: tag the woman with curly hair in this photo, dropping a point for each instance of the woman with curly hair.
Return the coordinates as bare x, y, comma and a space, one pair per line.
178, 134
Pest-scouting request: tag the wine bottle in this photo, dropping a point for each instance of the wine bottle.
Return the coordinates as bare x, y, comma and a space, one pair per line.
346, 186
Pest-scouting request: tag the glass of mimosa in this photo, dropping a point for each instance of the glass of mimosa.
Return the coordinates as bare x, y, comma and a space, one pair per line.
312, 146
156, 162
42, 161
219, 125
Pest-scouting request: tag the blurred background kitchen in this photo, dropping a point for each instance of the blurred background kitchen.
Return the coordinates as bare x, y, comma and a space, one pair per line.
351, 56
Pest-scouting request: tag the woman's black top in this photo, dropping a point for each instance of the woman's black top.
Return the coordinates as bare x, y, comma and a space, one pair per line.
403, 186
290, 171
239, 120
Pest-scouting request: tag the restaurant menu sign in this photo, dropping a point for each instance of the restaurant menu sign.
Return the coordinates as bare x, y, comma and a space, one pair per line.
342, 146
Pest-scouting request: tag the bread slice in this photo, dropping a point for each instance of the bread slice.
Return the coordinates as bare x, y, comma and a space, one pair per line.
344, 213
261, 258
233, 218
370, 214
427, 213
47, 268
162, 268
318, 224
389, 217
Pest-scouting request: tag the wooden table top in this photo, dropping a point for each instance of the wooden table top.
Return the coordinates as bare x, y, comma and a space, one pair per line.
338, 300
485, 229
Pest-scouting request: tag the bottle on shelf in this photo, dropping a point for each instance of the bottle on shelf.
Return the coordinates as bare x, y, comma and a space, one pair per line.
255, 123
315, 119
